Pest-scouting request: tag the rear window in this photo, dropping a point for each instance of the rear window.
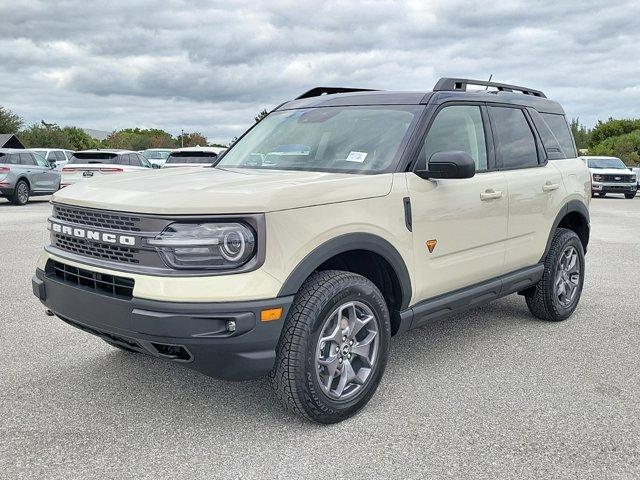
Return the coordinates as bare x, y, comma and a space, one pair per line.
558, 126
515, 143
93, 157
192, 157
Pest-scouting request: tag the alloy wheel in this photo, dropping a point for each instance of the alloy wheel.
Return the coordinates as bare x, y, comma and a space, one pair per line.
567, 279
23, 192
347, 350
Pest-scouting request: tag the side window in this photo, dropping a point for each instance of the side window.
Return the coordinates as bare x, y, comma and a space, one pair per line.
458, 127
27, 159
59, 156
14, 159
41, 161
515, 143
122, 160
558, 125
135, 160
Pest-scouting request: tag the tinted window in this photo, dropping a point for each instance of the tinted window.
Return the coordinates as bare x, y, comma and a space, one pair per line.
560, 129
59, 156
27, 159
610, 162
192, 157
13, 159
457, 127
123, 160
40, 160
134, 160
515, 143
93, 157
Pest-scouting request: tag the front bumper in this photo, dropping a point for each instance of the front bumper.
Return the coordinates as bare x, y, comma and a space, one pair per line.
193, 334
598, 187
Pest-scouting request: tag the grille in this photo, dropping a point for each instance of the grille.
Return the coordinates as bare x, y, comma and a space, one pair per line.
105, 284
81, 246
617, 178
96, 218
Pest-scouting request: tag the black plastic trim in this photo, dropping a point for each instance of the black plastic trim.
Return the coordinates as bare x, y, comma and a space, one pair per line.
407, 213
345, 243
471, 296
570, 206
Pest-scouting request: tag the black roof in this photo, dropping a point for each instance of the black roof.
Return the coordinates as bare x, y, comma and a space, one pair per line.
450, 89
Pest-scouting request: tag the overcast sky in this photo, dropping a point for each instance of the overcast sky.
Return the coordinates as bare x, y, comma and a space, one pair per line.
211, 66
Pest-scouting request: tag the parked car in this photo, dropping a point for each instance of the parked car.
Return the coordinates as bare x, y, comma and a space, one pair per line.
611, 175
399, 208
98, 163
636, 170
193, 157
24, 174
57, 156
157, 156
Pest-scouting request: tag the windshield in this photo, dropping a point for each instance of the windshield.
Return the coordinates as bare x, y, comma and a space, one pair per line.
606, 163
192, 157
362, 139
155, 154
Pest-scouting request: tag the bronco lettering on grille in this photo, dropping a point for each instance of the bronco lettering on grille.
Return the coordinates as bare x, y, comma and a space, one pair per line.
94, 235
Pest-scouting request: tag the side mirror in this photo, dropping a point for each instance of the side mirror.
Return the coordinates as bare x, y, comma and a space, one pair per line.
453, 164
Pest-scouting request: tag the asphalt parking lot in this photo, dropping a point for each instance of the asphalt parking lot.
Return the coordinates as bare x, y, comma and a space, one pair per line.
493, 393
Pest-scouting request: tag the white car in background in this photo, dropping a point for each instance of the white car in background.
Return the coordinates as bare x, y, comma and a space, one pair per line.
157, 156
97, 163
57, 156
611, 175
193, 157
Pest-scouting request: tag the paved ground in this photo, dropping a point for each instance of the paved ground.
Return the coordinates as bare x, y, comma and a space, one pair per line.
493, 394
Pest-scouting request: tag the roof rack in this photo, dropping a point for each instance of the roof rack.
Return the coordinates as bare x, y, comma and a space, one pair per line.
317, 91
460, 85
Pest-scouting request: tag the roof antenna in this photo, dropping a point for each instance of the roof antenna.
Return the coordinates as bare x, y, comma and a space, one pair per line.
490, 77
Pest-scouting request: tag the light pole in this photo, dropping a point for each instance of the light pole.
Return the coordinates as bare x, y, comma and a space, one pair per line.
182, 137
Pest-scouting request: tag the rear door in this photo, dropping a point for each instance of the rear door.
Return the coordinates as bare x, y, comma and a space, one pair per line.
536, 189
459, 225
50, 177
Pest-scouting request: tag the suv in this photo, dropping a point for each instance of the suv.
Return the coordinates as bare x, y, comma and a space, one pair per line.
24, 174
98, 163
156, 156
193, 157
55, 156
398, 209
611, 175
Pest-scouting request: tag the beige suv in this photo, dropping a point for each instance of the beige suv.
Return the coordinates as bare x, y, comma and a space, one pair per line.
341, 219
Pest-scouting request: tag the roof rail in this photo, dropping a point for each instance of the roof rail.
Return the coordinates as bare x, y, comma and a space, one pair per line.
317, 91
460, 85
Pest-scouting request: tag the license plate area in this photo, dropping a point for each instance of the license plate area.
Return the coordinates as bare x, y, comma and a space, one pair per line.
87, 174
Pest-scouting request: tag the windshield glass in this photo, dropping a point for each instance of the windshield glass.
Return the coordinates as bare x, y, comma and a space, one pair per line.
155, 154
192, 157
362, 139
606, 163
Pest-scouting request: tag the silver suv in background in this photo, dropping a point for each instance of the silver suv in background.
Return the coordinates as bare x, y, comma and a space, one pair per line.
611, 175
24, 174
56, 156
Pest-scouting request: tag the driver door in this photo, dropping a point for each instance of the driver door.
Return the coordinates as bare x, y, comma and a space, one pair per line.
459, 225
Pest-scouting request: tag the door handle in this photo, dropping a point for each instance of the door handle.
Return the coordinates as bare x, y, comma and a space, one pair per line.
550, 187
490, 194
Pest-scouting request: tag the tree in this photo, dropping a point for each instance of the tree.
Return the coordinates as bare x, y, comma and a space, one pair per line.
45, 135
626, 147
581, 134
80, 139
261, 115
9, 121
139, 139
195, 139
612, 128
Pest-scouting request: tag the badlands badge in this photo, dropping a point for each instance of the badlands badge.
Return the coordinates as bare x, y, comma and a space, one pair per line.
431, 244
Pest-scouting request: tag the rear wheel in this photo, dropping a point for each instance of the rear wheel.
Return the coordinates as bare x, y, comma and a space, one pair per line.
21, 193
556, 295
334, 347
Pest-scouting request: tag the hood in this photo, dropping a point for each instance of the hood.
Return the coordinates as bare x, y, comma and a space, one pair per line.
214, 190
611, 171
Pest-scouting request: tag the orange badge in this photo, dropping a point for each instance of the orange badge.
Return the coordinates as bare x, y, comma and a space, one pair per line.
431, 244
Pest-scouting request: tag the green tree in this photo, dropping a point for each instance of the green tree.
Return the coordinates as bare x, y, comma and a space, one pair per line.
139, 139
79, 139
9, 121
612, 128
581, 134
45, 135
626, 147
195, 139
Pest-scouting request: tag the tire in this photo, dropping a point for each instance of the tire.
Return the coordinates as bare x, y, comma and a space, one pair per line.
320, 310
602, 195
21, 193
121, 347
629, 196
546, 299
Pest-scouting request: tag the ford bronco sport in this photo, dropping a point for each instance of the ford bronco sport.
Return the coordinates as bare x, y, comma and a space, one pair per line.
342, 218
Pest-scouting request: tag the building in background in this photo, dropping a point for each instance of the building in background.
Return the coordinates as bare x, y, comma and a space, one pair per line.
9, 140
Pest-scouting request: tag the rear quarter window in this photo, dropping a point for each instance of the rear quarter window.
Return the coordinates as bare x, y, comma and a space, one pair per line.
560, 129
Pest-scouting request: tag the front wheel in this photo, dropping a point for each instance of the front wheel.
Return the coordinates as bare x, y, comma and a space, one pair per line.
334, 347
556, 295
629, 196
21, 193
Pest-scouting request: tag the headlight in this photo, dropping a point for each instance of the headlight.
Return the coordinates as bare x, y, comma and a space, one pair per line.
597, 178
213, 246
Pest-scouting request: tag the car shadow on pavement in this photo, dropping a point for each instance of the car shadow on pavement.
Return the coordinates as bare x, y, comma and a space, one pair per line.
147, 388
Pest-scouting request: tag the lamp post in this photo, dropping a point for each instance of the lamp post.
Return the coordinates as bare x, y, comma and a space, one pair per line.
182, 137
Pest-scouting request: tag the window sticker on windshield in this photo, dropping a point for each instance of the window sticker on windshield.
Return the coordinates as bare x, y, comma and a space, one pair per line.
356, 157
